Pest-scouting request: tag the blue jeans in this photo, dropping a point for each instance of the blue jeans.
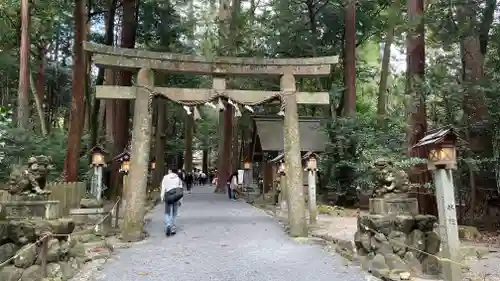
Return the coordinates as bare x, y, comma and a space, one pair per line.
171, 214
230, 192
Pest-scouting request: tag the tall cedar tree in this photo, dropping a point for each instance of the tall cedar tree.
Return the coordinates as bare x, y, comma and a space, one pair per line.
77, 115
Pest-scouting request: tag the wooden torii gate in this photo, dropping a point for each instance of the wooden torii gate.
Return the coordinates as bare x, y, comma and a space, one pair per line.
218, 68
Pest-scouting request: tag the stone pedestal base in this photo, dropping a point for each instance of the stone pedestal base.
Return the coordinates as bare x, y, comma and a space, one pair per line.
394, 206
391, 244
46, 209
92, 216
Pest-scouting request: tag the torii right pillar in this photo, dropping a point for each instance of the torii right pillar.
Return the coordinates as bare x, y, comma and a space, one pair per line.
293, 165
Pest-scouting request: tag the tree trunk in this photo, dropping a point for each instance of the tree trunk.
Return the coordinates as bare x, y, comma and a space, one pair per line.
475, 104
38, 105
417, 118
160, 141
204, 165
225, 118
89, 98
109, 24
40, 88
109, 115
23, 110
350, 59
122, 107
235, 161
385, 70
227, 133
188, 142
77, 93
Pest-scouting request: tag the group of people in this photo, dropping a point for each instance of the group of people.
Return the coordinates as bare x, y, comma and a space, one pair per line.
190, 178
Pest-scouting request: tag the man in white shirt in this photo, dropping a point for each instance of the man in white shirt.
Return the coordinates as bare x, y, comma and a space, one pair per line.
172, 196
203, 178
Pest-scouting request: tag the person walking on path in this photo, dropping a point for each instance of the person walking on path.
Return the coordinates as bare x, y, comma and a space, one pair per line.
189, 181
232, 183
171, 194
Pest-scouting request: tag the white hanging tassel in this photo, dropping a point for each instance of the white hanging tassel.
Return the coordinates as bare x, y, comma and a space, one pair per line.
237, 111
196, 114
247, 107
211, 105
187, 109
231, 103
220, 105
281, 113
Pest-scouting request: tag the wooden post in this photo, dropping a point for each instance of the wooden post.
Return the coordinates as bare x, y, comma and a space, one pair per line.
224, 158
159, 153
313, 209
188, 143
135, 194
448, 230
293, 163
98, 191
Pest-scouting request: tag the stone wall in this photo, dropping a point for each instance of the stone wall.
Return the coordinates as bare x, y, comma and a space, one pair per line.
20, 239
395, 242
24, 225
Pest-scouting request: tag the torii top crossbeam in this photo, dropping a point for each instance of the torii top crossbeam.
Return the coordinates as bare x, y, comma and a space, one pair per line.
108, 56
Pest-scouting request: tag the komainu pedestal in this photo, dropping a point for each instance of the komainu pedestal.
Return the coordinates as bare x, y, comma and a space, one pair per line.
21, 209
393, 238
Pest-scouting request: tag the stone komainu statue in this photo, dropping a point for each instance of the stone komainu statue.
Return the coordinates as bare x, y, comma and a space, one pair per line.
30, 179
389, 180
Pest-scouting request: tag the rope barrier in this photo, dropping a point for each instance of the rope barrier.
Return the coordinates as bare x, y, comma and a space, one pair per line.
23, 250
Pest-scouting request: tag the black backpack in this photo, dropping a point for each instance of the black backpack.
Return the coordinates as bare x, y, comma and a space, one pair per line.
174, 195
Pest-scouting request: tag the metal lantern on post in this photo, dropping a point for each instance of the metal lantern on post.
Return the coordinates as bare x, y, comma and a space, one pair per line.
282, 201
247, 165
442, 159
98, 157
441, 144
153, 163
311, 159
98, 162
124, 159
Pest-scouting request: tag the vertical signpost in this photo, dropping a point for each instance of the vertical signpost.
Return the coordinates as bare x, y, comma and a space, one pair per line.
442, 160
283, 187
311, 168
124, 159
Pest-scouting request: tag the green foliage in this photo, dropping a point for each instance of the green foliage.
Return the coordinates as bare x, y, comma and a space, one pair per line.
355, 143
17, 145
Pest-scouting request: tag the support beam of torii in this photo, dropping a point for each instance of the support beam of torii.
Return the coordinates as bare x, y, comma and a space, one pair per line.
186, 94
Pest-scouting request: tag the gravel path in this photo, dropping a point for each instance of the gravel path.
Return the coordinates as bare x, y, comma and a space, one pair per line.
223, 240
